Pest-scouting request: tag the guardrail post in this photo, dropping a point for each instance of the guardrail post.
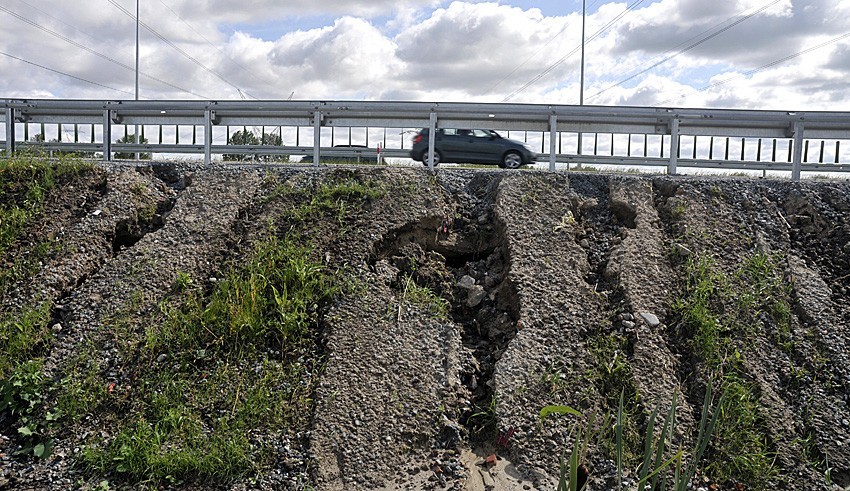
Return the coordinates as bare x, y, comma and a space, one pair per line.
796, 164
674, 147
432, 135
208, 118
317, 136
107, 135
553, 131
10, 131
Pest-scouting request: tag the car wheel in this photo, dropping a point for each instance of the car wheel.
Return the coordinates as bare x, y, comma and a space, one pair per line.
437, 158
511, 160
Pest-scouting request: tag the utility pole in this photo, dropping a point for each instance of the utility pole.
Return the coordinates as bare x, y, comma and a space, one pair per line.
137, 70
583, 15
581, 83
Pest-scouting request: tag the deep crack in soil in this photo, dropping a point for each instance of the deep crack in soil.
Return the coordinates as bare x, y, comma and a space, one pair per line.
469, 301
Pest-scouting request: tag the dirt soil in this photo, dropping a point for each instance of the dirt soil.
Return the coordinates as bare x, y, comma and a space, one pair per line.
536, 270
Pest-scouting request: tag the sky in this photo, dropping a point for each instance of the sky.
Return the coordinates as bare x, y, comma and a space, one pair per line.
747, 54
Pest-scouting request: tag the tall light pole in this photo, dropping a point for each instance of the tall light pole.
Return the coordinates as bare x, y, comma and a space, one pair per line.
581, 83
137, 70
583, 15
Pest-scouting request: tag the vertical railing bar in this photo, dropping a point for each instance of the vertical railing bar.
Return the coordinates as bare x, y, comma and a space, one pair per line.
208, 120
432, 136
674, 146
107, 135
10, 131
796, 164
553, 129
317, 136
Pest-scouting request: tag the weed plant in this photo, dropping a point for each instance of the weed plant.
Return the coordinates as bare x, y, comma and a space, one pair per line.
719, 313
221, 366
424, 298
25, 181
659, 463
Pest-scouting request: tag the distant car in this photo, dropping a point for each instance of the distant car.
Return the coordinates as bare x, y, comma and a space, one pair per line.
472, 146
355, 154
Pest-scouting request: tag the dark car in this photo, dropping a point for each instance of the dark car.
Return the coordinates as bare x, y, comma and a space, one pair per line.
472, 146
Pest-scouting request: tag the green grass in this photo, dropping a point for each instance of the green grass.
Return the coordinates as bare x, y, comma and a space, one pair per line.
23, 335
218, 366
720, 313
613, 379
25, 183
337, 198
424, 298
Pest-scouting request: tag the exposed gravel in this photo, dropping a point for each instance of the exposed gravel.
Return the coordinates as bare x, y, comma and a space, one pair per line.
534, 267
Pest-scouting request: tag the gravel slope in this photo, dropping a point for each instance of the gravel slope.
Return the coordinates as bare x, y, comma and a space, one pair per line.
548, 282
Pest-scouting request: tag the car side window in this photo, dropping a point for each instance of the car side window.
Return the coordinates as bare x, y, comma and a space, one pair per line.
450, 131
480, 134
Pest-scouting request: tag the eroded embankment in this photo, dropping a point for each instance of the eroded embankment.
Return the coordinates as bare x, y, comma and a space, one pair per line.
463, 303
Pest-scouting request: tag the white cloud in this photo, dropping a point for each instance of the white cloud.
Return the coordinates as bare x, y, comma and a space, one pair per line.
707, 53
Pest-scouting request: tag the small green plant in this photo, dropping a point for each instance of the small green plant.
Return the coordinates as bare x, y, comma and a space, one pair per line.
658, 459
567, 221
23, 335
22, 395
679, 210
483, 423
182, 282
719, 312
424, 298
190, 417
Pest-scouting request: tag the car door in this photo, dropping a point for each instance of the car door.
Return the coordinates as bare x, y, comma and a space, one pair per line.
485, 147
453, 145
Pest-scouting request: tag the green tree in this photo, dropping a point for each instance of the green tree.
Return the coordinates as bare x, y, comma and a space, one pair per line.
39, 138
128, 156
246, 137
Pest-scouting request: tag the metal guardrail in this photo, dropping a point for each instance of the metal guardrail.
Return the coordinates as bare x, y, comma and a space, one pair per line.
671, 137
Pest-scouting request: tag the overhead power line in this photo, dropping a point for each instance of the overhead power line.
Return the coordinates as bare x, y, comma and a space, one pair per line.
220, 50
65, 74
555, 65
689, 47
765, 66
539, 50
176, 48
92, 51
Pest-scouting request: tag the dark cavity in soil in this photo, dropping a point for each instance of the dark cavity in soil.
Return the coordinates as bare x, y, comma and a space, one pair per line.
463, 259
149, 218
